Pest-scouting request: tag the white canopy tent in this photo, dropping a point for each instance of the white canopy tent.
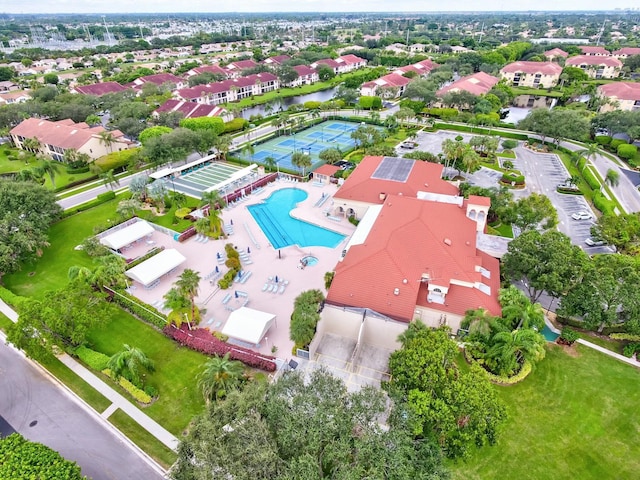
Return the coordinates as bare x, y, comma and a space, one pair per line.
127, 235
248, 325
151, 270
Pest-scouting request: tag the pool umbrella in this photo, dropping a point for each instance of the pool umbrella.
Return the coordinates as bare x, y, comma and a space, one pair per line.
217, 269
236, 292
248, 250
276, 278
218, 254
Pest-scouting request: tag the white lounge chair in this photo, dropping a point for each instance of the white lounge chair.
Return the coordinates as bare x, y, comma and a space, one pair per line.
265, 286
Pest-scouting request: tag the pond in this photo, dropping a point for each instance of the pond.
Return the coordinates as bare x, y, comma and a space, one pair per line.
284, 103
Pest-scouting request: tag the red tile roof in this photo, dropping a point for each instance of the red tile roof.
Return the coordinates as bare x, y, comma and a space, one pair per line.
594, 50
329, 62
593, 60
628, 51
351, 59
159, 79
99, 89
390, 80
544, 68
477, 84
242, 64
225, 85
412, 238
278, 59
424, 177
478, 200
556, 52
64, 134
621, 90
190, 109
215, 69
303, 70
327, 170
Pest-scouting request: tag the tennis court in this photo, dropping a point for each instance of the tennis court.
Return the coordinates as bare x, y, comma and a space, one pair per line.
312, 141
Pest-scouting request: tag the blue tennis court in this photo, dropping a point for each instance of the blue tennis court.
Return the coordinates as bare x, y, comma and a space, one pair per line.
312, 141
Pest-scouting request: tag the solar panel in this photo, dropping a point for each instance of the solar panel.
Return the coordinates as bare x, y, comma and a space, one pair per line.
393, 168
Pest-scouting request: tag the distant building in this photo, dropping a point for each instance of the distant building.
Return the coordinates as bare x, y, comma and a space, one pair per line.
626, 52
213, 69
555, 53
15, 96
532, 74
476, 84
384, 85
342, 64
625, 94
422, 69
160, 79
57, 137
277, 60
192, 110
594, 51
230, 90
596, 66
99, 89
306, 76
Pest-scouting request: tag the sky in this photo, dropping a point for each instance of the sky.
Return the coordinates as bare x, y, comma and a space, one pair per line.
168, 6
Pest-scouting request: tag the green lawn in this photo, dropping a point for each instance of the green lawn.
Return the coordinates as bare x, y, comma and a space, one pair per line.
176, 368
504, 230
49, 272
506, 154
572, 418
143, 439
540, 92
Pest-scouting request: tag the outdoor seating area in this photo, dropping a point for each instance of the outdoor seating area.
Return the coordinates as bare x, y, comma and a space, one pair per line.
275, 285
235, 300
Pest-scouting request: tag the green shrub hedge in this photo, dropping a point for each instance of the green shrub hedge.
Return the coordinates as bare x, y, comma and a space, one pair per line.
116, 160
235, 125
603, 204
603, 140
99, 200
139, 309
499, 379
140, 395
96, 360
443, 113
74, 171
625, 336
509, 179
11, 298
626, 151
591, 179
631, 349
616, 142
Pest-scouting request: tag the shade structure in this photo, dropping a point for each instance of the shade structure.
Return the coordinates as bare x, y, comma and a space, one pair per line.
248, 325
127, 235
151, 270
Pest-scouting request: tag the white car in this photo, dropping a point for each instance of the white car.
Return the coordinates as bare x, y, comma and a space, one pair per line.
581, 215
594, 243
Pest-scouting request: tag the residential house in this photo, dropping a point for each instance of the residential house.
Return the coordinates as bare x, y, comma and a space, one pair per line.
596, 66
57, 137
626, 52
532, 74
342, 64
306, 76
8, 86
414, 254
624, 95
230, 90
160, 79
213, 69
477, 84
388, 86
276, 61
329, 62
555, 54
235, 68
99, 89
422, 68
192, 110
15, 96
594, 51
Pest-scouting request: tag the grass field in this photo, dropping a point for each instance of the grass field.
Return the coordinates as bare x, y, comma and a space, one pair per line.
143, 439
574, 417
176, 368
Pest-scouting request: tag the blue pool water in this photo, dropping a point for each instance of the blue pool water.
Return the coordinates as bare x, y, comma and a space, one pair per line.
548, 334
273, 217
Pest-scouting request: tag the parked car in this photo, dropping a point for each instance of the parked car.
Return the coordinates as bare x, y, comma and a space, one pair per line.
594, 243
581, 215
408, 145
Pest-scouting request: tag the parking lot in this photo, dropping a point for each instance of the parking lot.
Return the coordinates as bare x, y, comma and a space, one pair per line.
543, 173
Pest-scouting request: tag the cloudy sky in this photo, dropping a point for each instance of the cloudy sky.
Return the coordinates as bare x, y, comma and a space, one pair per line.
167, 6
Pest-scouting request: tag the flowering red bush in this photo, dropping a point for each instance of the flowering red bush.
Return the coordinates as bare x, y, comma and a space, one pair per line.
202, 340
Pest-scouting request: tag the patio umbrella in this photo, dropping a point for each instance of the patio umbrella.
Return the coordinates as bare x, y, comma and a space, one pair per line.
217, 269
248, 250
218, 254
236, 292
276, 278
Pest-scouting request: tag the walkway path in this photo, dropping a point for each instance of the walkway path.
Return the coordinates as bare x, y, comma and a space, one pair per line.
118, 400
615, 355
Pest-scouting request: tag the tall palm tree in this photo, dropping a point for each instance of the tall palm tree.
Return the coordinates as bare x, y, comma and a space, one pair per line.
222, 145
128, 362
218, 376
109, 180
109, 272
511, 349
187, 283
479, 322
107, 139
51, 169
271, 164
300, 160
175, 299
612, 178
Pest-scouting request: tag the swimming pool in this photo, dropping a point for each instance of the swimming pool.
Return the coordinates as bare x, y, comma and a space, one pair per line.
274, 218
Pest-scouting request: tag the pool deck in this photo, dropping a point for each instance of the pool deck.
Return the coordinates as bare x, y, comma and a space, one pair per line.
266, 263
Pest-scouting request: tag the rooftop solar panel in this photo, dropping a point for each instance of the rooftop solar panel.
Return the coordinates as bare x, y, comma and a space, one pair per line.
393, 168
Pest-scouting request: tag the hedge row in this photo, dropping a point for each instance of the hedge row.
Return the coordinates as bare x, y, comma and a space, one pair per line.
481, 131
96, 360
499, 379
99, 200
603, 204
568, 191
140, 395
202, 340
591, 179
11, 298
75, 183
74, 171
139, 309
146, 256
116, 160
625, 336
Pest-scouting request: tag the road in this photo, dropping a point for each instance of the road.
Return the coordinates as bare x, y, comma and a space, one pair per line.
36, 407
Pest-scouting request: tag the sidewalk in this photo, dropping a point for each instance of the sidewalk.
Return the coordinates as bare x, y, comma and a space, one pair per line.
118, 401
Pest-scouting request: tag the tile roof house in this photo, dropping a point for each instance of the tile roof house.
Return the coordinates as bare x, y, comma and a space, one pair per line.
329, 62
277, 60
388, 86
532, 74
422, 68
214, 69
160, 79
414, 254
192, 110
15, 96
594, 51
8, 86
555, 53
57, 137
230, 90
99, 89
235, 68
626, 96
626, 52
306, 76
596, 66
477, 84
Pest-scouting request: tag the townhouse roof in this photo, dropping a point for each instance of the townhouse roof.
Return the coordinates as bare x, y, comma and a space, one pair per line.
414, 243
326, 169
590, 50
303, 70
225, 85
366, 185
621, 90
329, 62
628, 51
389, 80
556, 52
593, 60
99, 89
350, 59
278, 59
64, 133
215, 69
158, 79
543, 68
190, 109
242, 65
477, 84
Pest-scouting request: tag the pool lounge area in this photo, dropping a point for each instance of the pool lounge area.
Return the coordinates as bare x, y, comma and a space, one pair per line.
273, 216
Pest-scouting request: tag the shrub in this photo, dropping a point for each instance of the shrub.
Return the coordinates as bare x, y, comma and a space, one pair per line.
151, 391
146, 256
95, 360
116, 160
204, 123
625, 336
220, 336
235, 125
627, 151
631, 349
616, 142
106, 196
603, 140
140, 395
312, 105
590, 178
201, 340
232, 263
568, 336
509, 178
139, 309
11, 298
443, 113
524, 371
305, 317
181, 213
75, 171
86, 206
603, 204
509, 144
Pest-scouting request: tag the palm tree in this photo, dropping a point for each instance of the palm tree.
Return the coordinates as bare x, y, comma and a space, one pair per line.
223, 144
109, 272
300, 160
128, 362
249, 150
187, 283
219, 375
612, 178
590, 152
28, 175
175, 299
271, 163
80, 274
479, 323
511, 349
107, 139
109, 180
51, 169
179, 198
